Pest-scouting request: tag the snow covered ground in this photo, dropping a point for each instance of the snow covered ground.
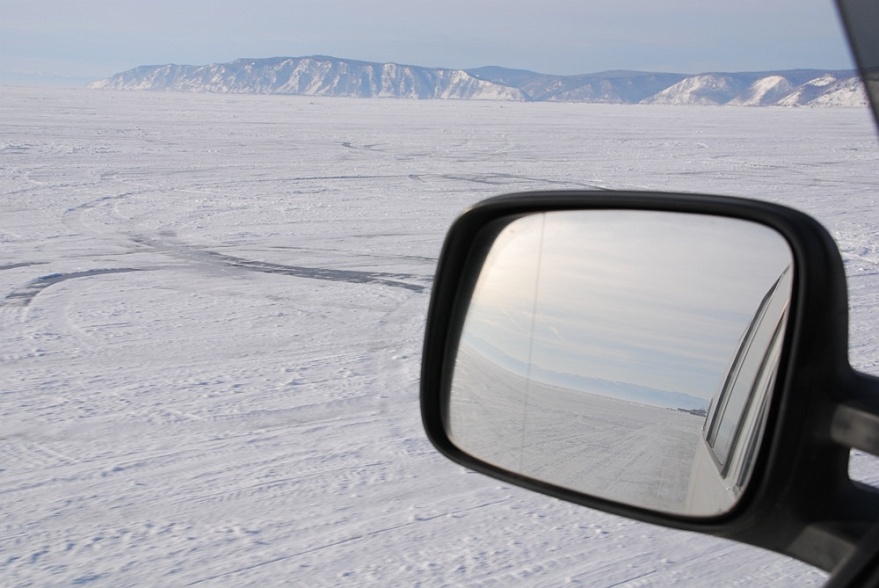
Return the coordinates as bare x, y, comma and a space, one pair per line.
211, 313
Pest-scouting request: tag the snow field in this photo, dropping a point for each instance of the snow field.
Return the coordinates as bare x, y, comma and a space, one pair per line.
212, 311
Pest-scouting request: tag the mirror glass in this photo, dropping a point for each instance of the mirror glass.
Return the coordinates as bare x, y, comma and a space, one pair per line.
624, 354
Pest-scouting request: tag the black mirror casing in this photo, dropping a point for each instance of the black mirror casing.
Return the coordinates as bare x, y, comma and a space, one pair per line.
800, 500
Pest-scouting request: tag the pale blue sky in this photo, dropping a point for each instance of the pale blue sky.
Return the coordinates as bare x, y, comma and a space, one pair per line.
65, 42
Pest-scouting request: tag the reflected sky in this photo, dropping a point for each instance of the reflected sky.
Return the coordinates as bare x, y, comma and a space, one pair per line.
655, 300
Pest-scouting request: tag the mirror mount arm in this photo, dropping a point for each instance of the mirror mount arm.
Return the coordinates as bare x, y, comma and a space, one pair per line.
855, 422
855, 427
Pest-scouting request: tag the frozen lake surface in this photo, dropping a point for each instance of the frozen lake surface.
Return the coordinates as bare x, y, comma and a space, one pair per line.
211, 316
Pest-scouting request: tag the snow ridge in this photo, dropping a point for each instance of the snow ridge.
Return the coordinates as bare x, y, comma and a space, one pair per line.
330, 76
312, 76
827, 89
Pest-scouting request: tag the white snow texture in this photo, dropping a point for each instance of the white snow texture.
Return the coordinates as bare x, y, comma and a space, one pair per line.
212, 310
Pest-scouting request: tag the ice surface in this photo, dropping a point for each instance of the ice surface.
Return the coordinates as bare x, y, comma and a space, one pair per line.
212, 311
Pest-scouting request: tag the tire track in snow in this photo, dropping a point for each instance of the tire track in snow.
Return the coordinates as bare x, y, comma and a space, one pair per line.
23, 297
394, 280
23, 264
499, 179
73, 218
417, 258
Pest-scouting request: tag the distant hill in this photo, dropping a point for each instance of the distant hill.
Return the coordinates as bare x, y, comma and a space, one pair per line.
330, 76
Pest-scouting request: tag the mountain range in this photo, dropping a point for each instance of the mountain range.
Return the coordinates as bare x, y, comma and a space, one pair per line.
330, 76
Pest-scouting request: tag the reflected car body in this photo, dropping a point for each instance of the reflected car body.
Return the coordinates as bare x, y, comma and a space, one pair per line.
734, 426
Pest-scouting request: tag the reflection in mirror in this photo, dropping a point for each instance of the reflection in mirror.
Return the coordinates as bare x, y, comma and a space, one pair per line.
628, 355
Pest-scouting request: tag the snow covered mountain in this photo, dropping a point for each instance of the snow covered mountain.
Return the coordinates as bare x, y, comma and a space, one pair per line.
791, 88
329, 76
313, 76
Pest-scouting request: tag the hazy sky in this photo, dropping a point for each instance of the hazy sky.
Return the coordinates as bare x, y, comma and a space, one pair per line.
65, 42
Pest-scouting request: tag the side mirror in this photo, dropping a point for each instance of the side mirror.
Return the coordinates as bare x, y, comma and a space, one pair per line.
678, 359
595, 342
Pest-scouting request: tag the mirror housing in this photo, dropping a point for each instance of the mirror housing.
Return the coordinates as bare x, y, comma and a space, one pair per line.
624, 354
799, 500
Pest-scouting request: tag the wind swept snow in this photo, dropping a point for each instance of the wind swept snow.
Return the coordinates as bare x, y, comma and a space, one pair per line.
212, 311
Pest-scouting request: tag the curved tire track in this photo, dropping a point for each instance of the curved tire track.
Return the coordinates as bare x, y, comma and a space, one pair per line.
393, 280
25, 295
